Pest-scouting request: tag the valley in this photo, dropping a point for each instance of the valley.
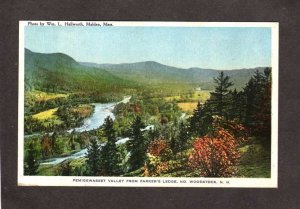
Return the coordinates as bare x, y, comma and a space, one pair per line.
134, 119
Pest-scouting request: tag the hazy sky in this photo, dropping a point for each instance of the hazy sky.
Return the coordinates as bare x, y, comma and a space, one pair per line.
205, 47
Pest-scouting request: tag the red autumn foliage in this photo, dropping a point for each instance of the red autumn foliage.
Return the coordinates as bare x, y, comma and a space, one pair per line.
239, 132
157, 147
215, 156
157, 158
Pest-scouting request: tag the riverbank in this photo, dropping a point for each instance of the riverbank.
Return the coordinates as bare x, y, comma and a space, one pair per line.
101, 111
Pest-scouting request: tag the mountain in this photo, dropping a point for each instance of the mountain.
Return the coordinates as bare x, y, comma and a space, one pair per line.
151, 72
60, 72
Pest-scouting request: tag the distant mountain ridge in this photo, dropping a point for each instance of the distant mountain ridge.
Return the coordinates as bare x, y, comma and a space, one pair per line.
156, 73
60, 72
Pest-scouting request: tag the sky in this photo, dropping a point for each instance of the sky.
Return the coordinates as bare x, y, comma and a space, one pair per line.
221, 48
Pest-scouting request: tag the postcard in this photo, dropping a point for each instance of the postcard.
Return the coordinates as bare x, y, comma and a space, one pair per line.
148, 104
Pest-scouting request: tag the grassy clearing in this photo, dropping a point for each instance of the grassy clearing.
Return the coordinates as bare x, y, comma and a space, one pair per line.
195, 96
44, 96
48, 114
187, 106
172, 98
48, 117
255, 159
201, 96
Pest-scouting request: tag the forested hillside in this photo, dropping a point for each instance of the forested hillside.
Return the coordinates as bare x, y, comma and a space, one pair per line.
58, 72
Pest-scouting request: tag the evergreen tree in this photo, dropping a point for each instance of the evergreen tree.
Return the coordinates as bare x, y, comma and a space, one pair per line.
200, 122
183, 138
219, 98
196, 120
263, 114
254, 93
31, 163
235, 105
72, 140
93, 157
138, 145
255, 104
110, 159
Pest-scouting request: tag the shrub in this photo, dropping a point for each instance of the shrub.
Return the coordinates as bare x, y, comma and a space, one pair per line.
158, 155
215, 155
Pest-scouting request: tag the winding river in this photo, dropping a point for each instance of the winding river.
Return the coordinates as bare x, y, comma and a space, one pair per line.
93, 122
101, 111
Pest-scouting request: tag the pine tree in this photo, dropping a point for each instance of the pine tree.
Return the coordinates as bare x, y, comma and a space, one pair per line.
235, 105
219, 98
31, 163
263, 114
137, 146
254, 93
200, 122
72, 139
110, 159
93, 157
183, 138
196, 120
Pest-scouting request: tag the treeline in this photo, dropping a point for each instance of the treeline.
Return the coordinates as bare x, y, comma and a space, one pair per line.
250, 107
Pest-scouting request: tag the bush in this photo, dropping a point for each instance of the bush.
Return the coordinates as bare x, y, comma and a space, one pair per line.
215, 155
158, 156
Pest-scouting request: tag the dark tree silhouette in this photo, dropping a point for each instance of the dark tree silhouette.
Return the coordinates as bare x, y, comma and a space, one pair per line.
219, 98
110, 159
137, 146
93, 157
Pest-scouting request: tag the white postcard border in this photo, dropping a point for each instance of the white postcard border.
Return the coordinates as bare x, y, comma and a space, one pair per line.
153, 181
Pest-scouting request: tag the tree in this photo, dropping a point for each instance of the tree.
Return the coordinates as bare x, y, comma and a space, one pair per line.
263, 113
219, 99
110, 159
258, 103
196, 120
137, 146
72, 140
235, 105
201, 120
56, 144
93, 157
252, 91
46, 145
183, 138
31, 163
